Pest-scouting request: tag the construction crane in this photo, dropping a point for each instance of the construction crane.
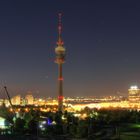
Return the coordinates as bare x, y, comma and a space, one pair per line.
9, 99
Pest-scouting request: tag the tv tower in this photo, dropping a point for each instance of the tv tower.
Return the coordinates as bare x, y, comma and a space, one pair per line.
60, 59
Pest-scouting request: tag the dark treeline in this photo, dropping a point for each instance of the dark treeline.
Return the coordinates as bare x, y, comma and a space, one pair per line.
89, 124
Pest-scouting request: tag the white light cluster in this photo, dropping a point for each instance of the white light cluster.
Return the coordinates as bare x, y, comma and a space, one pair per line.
134, 87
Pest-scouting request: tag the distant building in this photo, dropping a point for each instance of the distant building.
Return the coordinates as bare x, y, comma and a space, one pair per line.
134, 94
29, 98
39, 101
16, 100
1, 101
23, 102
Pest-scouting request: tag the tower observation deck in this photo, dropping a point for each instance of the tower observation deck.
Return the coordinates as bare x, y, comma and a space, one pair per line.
60, 59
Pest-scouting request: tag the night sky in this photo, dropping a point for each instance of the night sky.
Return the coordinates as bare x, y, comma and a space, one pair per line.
102, 40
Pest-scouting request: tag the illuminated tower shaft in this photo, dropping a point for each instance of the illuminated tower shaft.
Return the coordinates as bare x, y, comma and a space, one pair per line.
60, 88
60, 59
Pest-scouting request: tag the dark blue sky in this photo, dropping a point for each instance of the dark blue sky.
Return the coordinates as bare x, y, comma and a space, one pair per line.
102, 39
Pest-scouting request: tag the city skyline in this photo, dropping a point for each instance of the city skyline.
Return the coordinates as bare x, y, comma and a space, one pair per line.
102, 39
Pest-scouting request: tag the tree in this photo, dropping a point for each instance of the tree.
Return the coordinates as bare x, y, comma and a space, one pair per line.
19, 126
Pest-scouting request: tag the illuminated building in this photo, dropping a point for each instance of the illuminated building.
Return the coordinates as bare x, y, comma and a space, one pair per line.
16, 100
2, 123
60, 58
134, 94
1, 102
29, 99
39, 101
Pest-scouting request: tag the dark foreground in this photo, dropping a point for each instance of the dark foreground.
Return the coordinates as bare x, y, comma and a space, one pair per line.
122, 136
111, 124
35, 138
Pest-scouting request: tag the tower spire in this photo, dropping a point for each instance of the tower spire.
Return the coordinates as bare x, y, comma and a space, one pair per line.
60, 42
